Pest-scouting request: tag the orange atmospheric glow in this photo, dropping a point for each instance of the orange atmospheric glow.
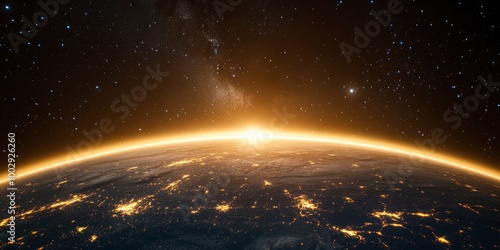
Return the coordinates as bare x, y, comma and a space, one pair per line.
252, 135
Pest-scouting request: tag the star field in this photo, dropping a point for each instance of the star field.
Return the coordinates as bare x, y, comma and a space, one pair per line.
234, 70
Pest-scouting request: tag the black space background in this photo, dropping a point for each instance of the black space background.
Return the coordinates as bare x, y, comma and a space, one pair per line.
270, 54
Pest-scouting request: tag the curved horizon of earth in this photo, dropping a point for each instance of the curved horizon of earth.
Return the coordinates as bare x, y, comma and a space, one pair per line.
227, 195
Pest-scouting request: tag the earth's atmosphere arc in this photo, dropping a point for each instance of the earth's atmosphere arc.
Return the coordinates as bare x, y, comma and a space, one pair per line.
366, 143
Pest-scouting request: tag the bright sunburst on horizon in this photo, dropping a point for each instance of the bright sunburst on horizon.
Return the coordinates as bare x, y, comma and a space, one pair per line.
255, 136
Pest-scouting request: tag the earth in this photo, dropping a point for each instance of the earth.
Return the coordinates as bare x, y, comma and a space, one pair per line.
229, 195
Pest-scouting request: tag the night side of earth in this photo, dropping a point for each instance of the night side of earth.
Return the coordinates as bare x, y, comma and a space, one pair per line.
226, 194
